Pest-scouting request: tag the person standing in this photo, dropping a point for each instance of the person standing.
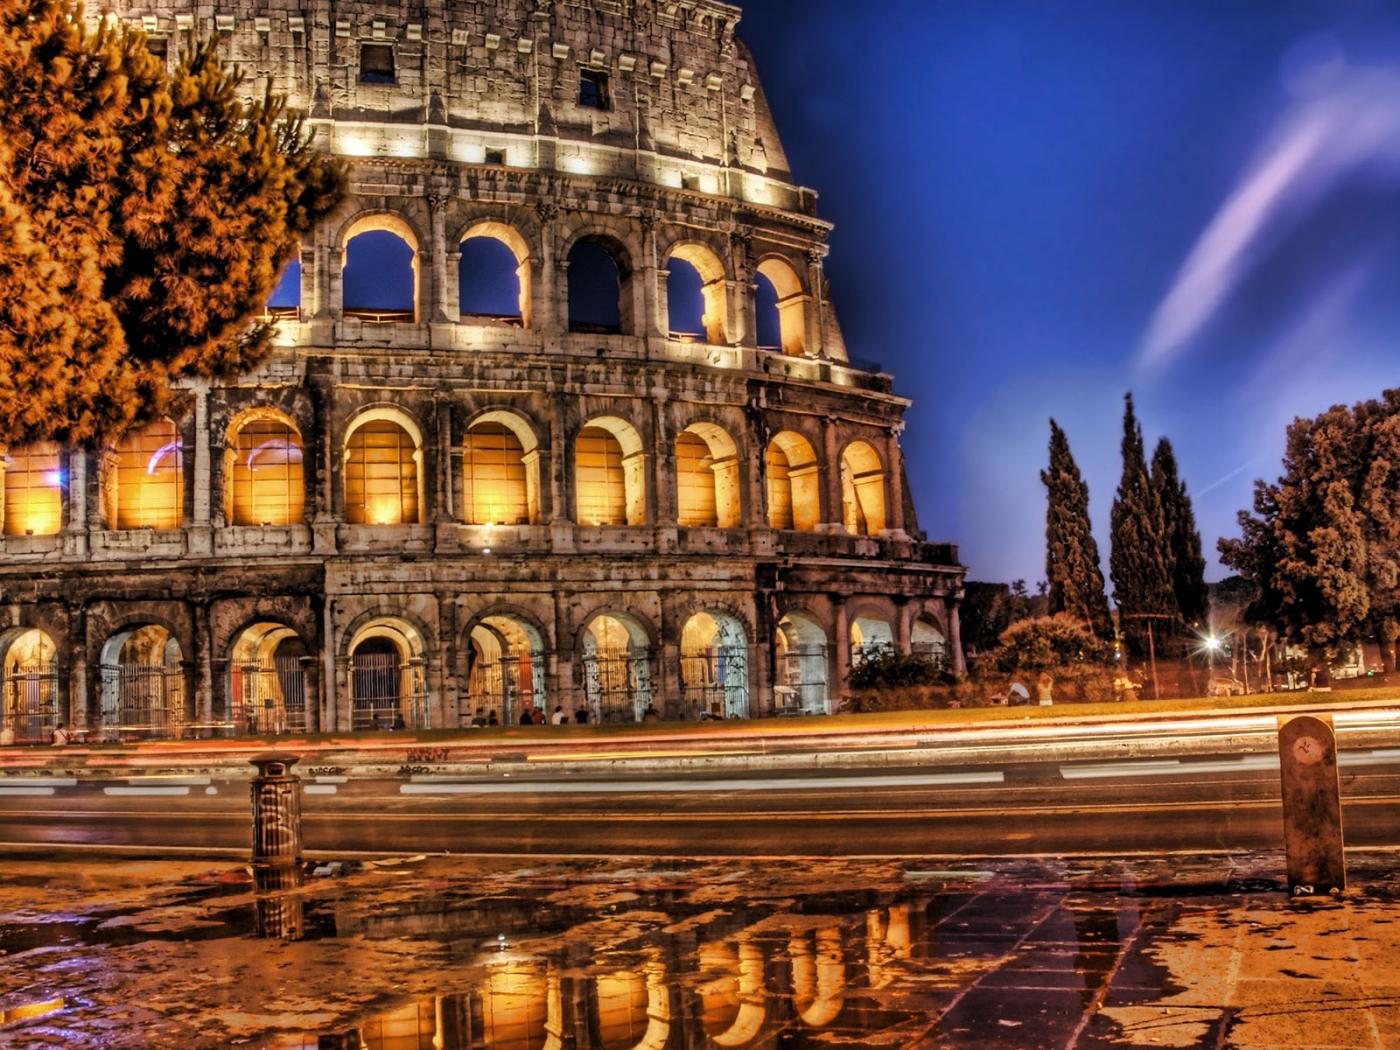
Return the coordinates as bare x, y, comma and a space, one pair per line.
559, 717
60, 735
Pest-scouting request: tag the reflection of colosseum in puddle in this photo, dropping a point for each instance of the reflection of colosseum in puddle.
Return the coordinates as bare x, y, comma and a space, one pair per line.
560, 415
721, 985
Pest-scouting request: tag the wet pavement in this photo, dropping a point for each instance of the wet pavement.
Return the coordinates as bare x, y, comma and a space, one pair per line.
448, 953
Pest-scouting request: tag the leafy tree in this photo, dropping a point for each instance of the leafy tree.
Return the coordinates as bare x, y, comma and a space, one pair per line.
147, 216
888, 669
1072, 566
1322, 547
1049, 642
1141, 578
1183, 541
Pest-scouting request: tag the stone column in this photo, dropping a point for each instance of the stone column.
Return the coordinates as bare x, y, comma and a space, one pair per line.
894, 467
320, 445
78, 671
200, 537
741, 327
544, 288
439, 306
76, 516
442, 473
648, 306
841, 662
955, 649
833, 507
816, 302
203, 665
663, 474
331, 709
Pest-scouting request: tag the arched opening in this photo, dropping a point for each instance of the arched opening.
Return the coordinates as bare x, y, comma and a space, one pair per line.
794, 483
818, 977
382, 476
143, 683
380, 270
264, 463
610, 474
780, 308
520, 1004
493, 275
714, 667
388, 678
616, 668
732, 992
267, 680
500, 472
869, 637
413, 1026
927, 640
505, 670
29, 689
801, 679
285, 300
598, 278
695, 294
862, 490
151, 478
707, 478
34, 481
634, 1009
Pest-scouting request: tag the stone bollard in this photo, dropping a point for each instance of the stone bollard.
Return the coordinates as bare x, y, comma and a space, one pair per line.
276, 811
1312, 806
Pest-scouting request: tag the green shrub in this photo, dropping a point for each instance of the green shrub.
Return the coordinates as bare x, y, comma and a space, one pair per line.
889, 669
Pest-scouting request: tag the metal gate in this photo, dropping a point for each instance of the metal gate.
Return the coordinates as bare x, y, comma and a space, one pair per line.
30, 700
715, 683
935, 653
800, 688
268, 698
142, 700
618, 687
505, 686
387, 693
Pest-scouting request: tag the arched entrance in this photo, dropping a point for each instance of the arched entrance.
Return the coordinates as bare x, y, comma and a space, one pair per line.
733, 994
29, 685
869, 637
506, 669
143, 683
267, 681
818, 977
616, 668
927, 641
388, 678
801, 673
714, 667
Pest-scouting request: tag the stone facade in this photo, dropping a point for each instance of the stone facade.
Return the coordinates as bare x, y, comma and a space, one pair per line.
635, 126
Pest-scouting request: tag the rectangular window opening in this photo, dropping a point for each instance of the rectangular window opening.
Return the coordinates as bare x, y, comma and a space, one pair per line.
593, 89
496, 156
377, 64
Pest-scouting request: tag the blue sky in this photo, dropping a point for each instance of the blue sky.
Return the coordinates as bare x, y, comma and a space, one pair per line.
1042, 205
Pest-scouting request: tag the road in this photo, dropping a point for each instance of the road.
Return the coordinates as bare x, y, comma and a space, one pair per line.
1213, 802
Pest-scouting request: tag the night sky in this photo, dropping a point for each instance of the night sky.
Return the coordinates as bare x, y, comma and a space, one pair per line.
1040, 206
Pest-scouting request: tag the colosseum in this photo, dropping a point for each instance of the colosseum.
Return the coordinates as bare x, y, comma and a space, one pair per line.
560, 414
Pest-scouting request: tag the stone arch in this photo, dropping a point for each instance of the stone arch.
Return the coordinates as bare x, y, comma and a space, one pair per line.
818, 976
142, 681
484, 269
794, 483
505, 656
615, 649
707, 314
34, 478
268, 678
926, 638
734, 1002
786, 313
862, 489
383, 475
264, 468
521, 1006
386, 664
610, 484
871, 633
381, 301
500, 469
714, 665
802, 647
623, 999
597, 262
150, 477
708, 488
30, 685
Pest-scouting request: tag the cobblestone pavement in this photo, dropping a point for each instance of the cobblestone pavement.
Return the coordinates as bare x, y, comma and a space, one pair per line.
451, 952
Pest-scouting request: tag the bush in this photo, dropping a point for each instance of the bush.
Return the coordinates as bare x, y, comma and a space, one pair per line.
1051, 643
890, 669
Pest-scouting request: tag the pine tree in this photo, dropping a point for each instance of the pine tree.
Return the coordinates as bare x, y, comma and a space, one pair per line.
1072, 568
1185, 561
157, 208
1141, 582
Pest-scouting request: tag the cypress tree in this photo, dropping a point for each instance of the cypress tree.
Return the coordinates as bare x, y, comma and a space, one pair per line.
1185, 561
1137, 563
1072, 567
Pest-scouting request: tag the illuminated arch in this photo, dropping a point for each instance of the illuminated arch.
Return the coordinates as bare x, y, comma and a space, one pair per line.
801, 682
706, 316
143, 682
378, 299
34, 481
599, 285
500, 471
264, 468
267, 680
870, 635
626, 998
616, 663
735, 1002
862, 490
794, 483
790, 305
29, 684
387, 668
609, 473
472, 271
926, 639
505, 666
150, 478
715, 666
707, 478
521, 1007
383, 468
818, 978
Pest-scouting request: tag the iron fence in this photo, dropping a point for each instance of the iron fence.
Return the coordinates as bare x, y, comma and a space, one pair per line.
934, 652
506, 686
387, 692
268, 698
801, 685
618, 687
715, 683
30, 701
139, 699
